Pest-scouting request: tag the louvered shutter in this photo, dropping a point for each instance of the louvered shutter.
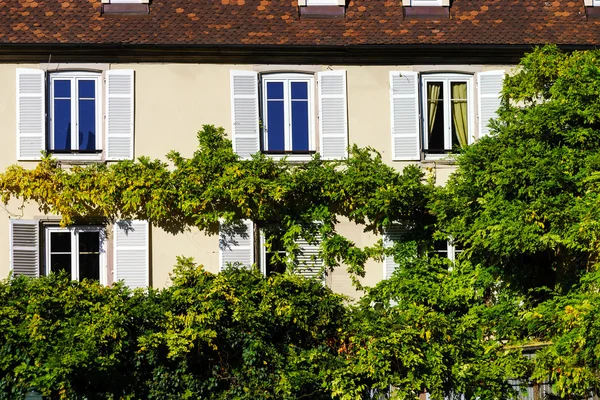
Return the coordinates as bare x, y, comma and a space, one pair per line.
236, 244
31, 113
131, 253
244, 113
392, 235
24, 247
333, 115
489, 87
404, 101
119, 114
310, 264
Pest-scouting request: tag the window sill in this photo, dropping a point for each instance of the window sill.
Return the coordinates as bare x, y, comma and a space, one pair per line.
438, 158
291, 157
322, 11
592, 12
125, 9
78, 158
427, 12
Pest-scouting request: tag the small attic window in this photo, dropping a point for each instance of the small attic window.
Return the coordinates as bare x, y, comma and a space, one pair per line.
322, 8
429, 9
125, 7
431, 3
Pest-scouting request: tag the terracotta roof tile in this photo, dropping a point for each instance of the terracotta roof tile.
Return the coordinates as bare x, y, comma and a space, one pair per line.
234, 22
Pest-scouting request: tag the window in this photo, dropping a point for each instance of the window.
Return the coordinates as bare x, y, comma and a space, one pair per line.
286, 114
74, 113
322, 2
272, 260
433, 115
447, 249
238, 245
447, 113
37, 248
78, 251
74, 126
288, 126
424, 3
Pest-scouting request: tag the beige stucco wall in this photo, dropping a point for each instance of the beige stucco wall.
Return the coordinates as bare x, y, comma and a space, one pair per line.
173, 101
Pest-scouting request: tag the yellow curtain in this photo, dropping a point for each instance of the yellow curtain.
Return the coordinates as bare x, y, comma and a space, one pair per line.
433, 97
459, 112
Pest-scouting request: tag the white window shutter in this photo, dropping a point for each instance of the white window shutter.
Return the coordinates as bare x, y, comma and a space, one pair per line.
236, 244
31, 113
24, 247
131, 253
244, 113
310, 264
333, 115
404, 101
119, 114
392, 235
489, 85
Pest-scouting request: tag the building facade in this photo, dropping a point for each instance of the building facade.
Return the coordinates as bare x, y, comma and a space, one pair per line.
102, 81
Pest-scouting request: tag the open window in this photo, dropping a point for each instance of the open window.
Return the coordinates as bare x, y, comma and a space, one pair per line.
447, 110
63, 113
436, 114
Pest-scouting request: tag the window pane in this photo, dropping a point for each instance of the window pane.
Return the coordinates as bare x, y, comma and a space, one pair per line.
89, 242
275, 117
89, 266
61, 262
87, 124
275, 90
299, 125
274, 266
299, 91
435, 117
62, 124
441, 248
87, 89
60, 242
62, 88
460, 130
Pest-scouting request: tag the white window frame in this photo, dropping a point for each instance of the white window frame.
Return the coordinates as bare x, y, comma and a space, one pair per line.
125, 1
446, 79
287, 78
263, 253
74, 77
419, 3
74, 231
322, 2
451, 250
595, 3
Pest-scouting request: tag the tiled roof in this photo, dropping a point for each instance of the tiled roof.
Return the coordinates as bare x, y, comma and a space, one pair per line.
277, 22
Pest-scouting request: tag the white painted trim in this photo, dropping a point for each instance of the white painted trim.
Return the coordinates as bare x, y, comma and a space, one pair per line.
73, 77
446, 79
425, 3
288, 79
74, 232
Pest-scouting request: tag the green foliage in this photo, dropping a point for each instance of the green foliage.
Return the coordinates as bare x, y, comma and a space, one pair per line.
521, 198
233, 335
524, 204
287, 200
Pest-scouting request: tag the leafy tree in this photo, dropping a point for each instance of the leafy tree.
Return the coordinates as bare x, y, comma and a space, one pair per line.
524, 200
286, 200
